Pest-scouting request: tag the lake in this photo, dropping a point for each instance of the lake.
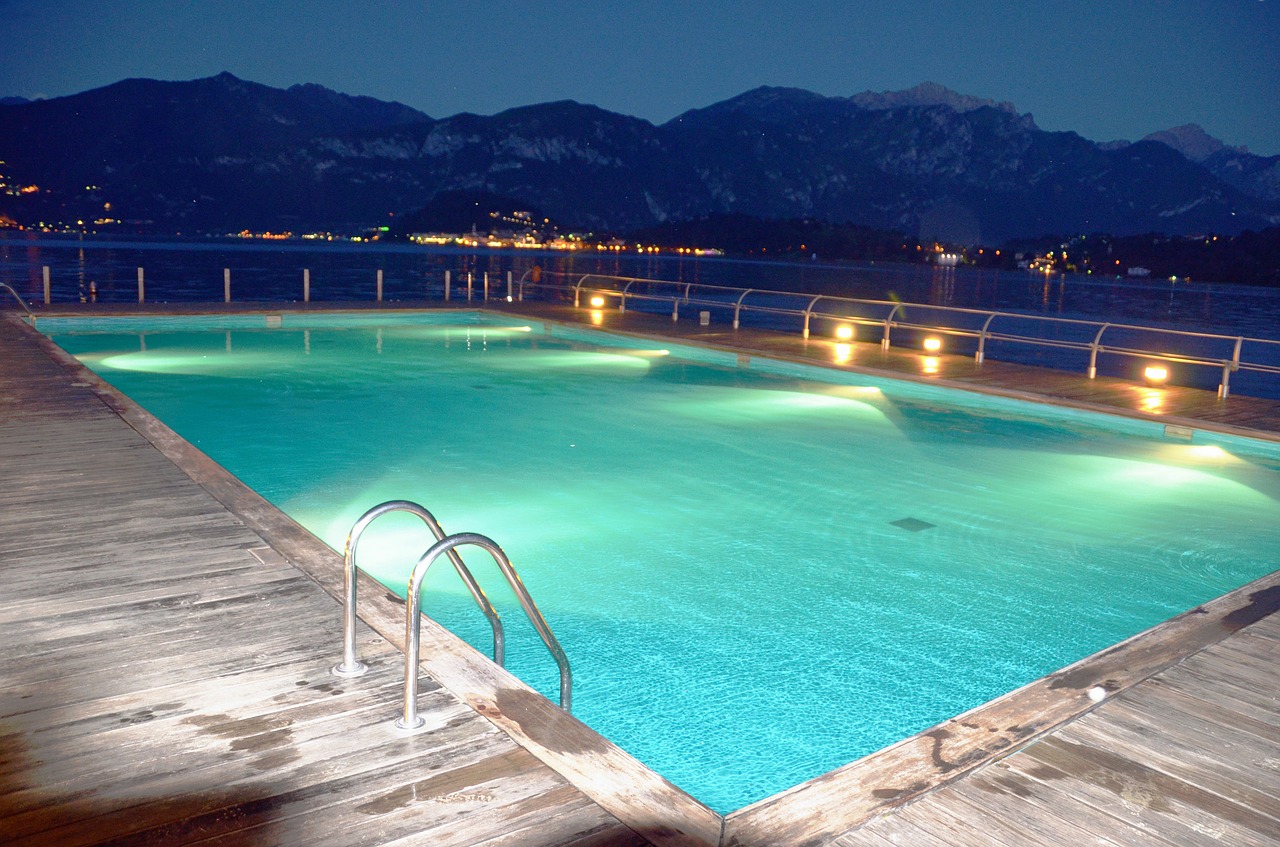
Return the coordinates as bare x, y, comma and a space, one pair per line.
193, 271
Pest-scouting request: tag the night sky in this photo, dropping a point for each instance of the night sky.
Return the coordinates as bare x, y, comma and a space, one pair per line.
1107, 69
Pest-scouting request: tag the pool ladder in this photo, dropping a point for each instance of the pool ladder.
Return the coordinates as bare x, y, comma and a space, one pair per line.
21, 302
446, 545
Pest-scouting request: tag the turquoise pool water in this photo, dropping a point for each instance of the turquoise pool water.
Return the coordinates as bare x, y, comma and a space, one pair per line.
759, 573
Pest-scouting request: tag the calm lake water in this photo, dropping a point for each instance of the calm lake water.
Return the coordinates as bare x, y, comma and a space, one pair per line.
189, 271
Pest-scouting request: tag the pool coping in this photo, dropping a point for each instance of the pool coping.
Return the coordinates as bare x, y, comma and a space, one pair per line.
810, 813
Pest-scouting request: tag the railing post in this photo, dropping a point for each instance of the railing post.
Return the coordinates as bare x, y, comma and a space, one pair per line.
808, 311
469, 286
888, 322
379, 285
737, 307
306, 285
142, 288
675, 309
446, 285
226, 285
508, 286
486, 286
1227, 367
46, 285
982, 340
1093, 352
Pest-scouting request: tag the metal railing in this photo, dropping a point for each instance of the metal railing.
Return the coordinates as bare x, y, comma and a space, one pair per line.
980, 328
977, 330
21, 302
351, 664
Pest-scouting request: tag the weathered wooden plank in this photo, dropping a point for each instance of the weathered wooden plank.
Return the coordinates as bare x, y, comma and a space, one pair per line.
994, 793
1145, 798
898, 831
78, 754
335, 763
971, 826
1211, 721
461, 806
256, 683
1239, 693
1205, 765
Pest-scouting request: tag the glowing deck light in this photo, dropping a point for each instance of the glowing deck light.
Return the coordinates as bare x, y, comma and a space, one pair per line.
844, 332
933, 344
1155, 374
597, 302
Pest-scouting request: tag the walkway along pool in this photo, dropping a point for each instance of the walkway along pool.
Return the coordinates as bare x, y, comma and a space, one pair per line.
760, 572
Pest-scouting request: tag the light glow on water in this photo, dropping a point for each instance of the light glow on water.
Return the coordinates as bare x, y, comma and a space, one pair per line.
178, 363
577, 359
759, 573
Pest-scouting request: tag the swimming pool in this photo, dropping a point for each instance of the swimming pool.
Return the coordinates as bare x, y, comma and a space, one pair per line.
759, 572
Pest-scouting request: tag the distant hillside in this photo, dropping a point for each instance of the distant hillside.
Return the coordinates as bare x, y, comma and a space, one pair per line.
220, 154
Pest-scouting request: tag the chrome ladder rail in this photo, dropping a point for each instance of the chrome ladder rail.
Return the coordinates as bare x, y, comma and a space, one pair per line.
351, 664
411, 720
21, 302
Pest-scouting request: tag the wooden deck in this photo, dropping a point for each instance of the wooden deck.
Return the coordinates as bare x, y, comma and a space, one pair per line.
165, 676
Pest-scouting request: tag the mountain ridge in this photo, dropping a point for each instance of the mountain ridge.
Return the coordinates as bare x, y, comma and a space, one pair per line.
223, 153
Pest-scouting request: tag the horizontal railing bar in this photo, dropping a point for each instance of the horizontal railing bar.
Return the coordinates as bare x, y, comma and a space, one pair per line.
684, 293
946, 309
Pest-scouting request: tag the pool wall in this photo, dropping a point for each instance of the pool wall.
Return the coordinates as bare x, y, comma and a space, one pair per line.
811, 813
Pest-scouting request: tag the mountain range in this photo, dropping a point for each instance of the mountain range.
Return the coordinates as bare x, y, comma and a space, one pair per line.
221, 154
